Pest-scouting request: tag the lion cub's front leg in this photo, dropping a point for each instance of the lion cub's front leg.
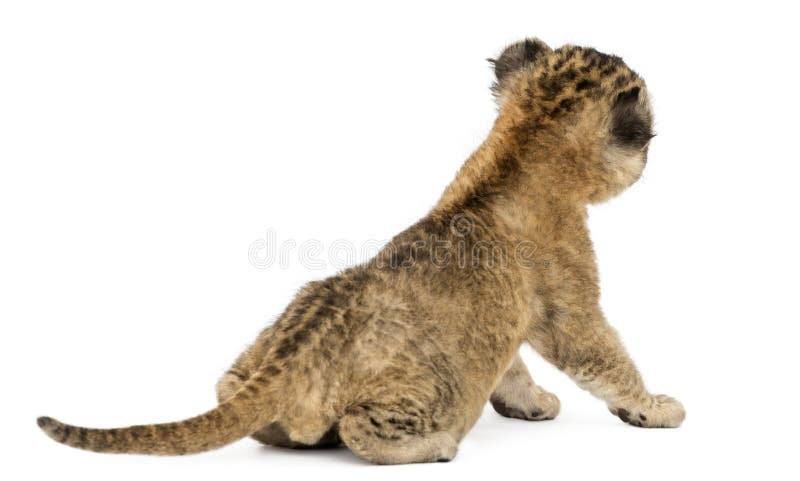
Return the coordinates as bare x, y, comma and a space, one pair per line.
585, 347
517, 396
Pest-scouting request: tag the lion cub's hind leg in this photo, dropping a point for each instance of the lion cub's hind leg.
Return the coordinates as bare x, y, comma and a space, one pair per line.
273, 434
517, 396
385, 436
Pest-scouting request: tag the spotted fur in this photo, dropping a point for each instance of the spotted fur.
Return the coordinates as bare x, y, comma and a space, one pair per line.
397, 357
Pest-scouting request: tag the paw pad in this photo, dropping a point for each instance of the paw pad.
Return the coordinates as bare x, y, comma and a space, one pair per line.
662, 412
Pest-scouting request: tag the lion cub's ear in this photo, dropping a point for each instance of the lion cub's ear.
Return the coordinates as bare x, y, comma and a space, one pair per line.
631, 120
517, 55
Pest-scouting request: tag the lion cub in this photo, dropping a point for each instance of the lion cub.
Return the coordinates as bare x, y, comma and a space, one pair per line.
397, 357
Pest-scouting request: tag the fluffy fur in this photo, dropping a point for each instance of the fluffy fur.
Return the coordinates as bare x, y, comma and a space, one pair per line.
397, 357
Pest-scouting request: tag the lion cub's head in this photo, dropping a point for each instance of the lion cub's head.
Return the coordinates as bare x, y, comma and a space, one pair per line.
578, 117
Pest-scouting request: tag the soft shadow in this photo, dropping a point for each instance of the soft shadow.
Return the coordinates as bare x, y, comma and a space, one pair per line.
331, 453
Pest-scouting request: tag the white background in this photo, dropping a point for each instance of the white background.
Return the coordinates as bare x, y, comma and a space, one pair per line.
146, 145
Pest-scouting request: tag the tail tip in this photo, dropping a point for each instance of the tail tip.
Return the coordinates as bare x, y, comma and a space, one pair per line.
53, 428
45, 422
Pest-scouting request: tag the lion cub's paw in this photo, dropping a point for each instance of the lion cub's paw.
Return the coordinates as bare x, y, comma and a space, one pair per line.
658, 411
533, 406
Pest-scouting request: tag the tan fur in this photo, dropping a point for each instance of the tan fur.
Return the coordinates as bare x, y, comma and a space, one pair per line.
397, 357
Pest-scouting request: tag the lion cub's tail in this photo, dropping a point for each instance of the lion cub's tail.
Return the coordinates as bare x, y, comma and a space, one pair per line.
241, 415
